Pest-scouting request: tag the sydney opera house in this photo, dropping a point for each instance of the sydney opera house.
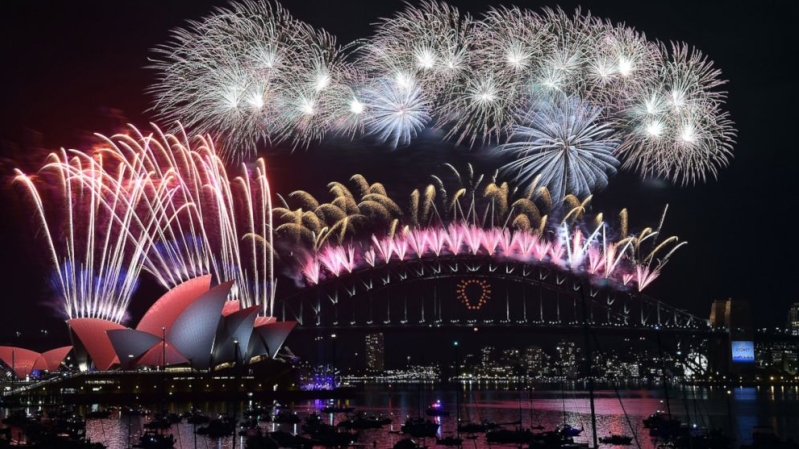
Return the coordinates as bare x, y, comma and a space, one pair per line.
193, 326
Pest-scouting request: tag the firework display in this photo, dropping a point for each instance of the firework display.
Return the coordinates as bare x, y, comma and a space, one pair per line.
253, 72
480, 219
558, 101
97, 238
159, 203
563, 142
572, 96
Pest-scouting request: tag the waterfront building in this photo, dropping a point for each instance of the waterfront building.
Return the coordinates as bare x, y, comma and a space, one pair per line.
192, 326
777, 355
511, 357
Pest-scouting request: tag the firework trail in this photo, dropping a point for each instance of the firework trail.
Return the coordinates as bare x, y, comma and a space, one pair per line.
96, 229
252, 73
170, 210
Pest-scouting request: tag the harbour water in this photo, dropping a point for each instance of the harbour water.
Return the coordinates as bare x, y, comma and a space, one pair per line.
736, 411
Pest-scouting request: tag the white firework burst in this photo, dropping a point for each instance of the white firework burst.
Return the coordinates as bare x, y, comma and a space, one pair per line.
431, 42
252, 73
397, 110
562, 140
480, 110
243, 73
677, 129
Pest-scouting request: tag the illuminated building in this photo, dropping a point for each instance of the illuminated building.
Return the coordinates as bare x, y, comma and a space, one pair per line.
375, 352
568, 356
793, 319
191, 326
534, 359
487, 355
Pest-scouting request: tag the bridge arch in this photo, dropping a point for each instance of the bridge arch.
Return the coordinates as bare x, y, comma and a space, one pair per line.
423, 293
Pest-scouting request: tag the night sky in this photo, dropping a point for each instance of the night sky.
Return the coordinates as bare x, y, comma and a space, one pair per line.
70, 69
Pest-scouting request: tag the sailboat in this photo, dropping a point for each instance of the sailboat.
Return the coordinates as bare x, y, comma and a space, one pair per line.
408, 443
153, 439
617, 440
482, 426
538, 426
566, 430
449, 440
419, 427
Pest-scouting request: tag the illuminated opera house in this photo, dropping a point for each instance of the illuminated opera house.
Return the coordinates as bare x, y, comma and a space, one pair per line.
193, 326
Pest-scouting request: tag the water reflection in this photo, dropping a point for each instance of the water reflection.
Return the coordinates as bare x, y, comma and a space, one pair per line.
735, 411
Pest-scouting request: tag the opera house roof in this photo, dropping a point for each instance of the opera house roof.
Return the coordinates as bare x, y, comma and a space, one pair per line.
193, 324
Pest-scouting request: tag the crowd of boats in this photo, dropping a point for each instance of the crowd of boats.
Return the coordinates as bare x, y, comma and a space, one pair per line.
63, 427
58, 428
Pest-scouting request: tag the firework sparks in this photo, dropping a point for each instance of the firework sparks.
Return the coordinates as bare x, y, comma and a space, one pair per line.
487, 221
100, 252
154, 203
397, 110
252, 73
564, 142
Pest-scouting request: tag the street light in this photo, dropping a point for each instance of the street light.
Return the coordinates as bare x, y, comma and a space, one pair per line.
163, 347
236, 382
333, 337
455, 345
333, 380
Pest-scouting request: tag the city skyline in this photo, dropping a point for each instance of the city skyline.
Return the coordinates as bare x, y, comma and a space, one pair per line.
706, 270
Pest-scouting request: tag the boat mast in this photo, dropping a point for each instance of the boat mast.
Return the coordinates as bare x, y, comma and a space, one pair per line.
663, 367
589, 363
457, 394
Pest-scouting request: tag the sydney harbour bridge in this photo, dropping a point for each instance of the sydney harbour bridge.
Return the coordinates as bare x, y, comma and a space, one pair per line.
476, 291
459, 294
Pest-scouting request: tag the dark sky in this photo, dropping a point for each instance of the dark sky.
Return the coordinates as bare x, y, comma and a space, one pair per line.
69, 69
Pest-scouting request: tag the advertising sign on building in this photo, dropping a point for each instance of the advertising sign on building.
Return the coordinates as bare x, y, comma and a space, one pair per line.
743, 352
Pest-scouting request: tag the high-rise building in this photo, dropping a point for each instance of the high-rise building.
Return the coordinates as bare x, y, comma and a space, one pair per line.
717, 313
568, 358
735, 316
535, 359
511, 356
375, 352
487, 355
793, 319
